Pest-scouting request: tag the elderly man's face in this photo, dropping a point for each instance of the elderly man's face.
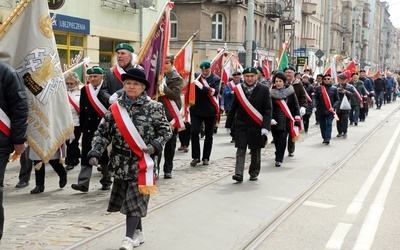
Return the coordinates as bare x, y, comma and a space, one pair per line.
95, 79
236, 78
289, 75
250, 78
124, 58
206, 72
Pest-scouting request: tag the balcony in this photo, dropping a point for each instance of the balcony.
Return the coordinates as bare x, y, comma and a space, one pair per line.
347, 4
272, 10
336, 27
309, 42
308, 8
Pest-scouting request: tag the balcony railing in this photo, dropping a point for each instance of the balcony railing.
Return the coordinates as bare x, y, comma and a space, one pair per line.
308, 8
272, 10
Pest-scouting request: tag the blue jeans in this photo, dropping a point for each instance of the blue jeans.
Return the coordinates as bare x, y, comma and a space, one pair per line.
325, 124
354, 113
379, 98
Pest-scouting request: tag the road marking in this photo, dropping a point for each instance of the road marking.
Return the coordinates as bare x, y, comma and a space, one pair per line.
358, 201
368, 230
336, 240
306, 203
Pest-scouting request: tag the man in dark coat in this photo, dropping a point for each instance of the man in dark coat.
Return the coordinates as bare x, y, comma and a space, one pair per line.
347, 90
205, 110
326, 97
380, 89
112, 85
252, 107
14, 114
170, 92
92, 111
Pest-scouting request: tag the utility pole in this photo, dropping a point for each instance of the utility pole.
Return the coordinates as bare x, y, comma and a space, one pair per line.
250, 34
328, 42
353, 50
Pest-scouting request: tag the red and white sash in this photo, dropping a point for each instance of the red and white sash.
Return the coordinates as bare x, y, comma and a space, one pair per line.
327, 102
231, 85
146, 181
293, 131
71, 101
5, 123
118, 71
213, 99
97, 105
307, 96
250, 109
177, 121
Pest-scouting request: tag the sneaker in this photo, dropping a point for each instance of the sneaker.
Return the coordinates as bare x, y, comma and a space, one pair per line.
278, 164
291, 154
194, 162
339, 135
138, 238
127, 244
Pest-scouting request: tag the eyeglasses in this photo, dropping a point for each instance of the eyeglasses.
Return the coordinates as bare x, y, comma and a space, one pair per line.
70, 83
327, 78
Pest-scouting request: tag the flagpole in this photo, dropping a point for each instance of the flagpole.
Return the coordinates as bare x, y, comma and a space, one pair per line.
146, 45
187, 42
14, 15
280, 59
227, 60
213, 61
85, 60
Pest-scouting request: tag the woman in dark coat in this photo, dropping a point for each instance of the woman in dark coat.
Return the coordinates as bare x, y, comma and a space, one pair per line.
286, 114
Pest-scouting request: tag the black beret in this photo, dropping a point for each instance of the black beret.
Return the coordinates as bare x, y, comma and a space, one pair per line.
236, 73
289, 67
250, 70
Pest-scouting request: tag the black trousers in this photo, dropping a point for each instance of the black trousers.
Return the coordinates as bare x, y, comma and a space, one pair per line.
26, 166
343, 122
169, 153
3, 163
40, 174
280, 137
73, 151
306, 122
184, 135
195, 137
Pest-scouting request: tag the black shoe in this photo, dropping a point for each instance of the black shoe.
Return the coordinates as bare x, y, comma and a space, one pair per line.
253, 178
167, 176
344, 136
105, 187
37, 190
339, 135
237, 177
63, 181
278, 164
22, 184
291, 154
69, 167
326, 142
351, 123
79, 187
206, 162
194, 162
355, 124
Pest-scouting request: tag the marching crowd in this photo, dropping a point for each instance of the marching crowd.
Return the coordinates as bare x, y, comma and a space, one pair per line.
121, 129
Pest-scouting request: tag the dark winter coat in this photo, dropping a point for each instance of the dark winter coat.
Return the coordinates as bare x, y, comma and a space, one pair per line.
248, 131
310, 91
14, 102
300, 92
359, 85
319, 100
203, 106
380, 85
289, 96
349, 94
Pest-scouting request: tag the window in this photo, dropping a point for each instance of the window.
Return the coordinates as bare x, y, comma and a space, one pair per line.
68, 46
107, 53
218, 22
174, 26
343, 43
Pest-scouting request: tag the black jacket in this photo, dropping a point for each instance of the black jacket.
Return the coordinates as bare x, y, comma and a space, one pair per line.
289, 96
319, 100
14, 102
203, 106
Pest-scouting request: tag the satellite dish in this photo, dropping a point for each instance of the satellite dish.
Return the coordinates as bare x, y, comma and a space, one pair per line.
147, 3
282, 4
136, 4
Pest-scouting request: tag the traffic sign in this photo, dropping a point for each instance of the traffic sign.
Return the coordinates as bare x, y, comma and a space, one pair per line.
320, 63
319, 53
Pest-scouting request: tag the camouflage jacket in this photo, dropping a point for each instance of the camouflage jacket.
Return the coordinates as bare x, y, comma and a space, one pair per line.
148, 116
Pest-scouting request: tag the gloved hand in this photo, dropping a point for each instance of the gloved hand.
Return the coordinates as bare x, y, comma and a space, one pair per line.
228, 131
149, 150
302, 111
113, 98
273, 122
93, 161
71, 138
198, 84
264, 131
314, 109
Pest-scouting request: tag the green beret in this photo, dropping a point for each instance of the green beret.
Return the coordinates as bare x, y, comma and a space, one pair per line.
289, 67
206, 64
250, 70
124, 46
95, 70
